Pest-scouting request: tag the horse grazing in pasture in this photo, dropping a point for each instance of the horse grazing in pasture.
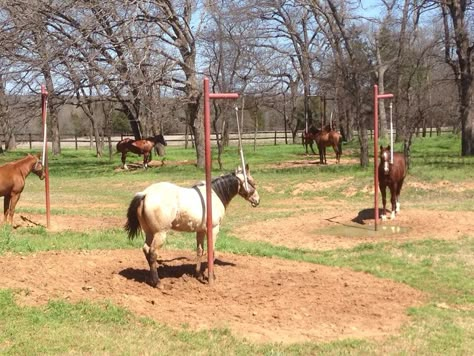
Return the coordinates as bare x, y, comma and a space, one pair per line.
391, 175
141, 147
12, 181
325, 138
164, 206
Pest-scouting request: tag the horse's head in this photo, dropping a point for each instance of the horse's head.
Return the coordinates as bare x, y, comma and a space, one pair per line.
38, 168
385, 158
159, 143
247, 190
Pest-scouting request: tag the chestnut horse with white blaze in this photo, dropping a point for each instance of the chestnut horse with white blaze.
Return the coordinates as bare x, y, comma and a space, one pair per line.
165, 206
12, 181
391, 175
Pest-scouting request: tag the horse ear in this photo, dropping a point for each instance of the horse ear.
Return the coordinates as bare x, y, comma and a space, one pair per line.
388, 147
381, 148
247, 167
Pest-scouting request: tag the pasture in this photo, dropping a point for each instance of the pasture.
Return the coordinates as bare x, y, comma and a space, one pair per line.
303, 273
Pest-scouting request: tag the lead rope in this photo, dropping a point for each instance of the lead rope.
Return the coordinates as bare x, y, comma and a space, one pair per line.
242, 160
391, 134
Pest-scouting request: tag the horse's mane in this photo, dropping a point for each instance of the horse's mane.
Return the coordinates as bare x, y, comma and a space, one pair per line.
226, 187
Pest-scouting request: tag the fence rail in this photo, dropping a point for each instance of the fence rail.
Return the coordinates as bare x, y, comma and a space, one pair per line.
34, 140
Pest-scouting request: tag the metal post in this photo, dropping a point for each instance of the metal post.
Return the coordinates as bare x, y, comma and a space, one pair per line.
377, 96
44, 160
207, 152
376, 158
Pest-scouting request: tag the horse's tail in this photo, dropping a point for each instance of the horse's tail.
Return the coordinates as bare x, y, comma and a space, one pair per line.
339, 145
132, 226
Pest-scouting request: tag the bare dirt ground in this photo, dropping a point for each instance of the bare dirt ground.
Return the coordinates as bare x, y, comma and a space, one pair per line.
262, 299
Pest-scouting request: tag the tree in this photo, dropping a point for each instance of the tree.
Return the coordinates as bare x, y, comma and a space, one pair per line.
456, 29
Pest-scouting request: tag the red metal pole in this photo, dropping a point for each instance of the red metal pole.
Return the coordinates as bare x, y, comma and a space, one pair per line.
208, 163
44, 110
377, 96
376, 159
207, 154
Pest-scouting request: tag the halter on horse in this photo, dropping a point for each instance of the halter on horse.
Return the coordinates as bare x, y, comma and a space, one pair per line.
165, 206
391, 175
141, 147
12, 181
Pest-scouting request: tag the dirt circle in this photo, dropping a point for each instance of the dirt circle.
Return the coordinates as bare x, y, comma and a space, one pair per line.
261, 299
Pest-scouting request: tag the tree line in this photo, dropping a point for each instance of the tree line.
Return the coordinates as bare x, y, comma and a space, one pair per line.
146, 59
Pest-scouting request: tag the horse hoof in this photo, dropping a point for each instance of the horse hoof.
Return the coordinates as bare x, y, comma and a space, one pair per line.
384, 217
392, 216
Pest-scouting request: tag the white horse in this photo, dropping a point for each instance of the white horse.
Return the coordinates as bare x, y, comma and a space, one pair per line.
165, 206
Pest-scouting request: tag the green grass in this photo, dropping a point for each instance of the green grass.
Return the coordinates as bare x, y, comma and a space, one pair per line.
83, 185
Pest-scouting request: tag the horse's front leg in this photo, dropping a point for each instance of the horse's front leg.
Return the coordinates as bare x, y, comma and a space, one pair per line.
384, 202
152, 244
199, 253
124, 157
393, 200
6, 208
11, 207
312, 149
145, 160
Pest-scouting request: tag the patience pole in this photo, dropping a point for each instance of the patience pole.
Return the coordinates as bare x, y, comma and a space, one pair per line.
208, 163
44, 159
377, 96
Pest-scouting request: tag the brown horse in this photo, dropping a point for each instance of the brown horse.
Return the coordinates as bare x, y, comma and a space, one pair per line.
141, 147
391, 175
12, 181
325, 138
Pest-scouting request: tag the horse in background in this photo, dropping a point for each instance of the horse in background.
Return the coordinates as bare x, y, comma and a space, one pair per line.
165, 206
391, 175
308, 138
12, 181
325, 137
141, 147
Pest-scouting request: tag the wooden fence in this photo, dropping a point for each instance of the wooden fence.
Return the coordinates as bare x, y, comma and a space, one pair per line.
34, 140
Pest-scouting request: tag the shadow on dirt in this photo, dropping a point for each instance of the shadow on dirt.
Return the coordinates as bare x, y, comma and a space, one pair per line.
169, 271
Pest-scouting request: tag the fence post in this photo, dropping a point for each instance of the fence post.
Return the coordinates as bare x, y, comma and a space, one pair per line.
30, 140
75, 141
275, 141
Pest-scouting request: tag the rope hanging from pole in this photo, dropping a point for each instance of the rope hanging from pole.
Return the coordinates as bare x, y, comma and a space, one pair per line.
241, 151
391, 133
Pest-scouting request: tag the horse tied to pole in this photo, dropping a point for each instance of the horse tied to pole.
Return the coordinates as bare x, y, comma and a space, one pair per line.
391, 174
141, 147
325, 137
12, 181
165, 206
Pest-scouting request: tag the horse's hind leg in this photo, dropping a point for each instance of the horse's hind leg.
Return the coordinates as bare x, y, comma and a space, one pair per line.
199, 253
152, 244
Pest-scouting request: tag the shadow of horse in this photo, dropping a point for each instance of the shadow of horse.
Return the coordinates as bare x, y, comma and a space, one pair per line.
365, 214
170, 271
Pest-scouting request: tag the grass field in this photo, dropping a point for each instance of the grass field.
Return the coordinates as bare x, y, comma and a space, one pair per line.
82, 185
